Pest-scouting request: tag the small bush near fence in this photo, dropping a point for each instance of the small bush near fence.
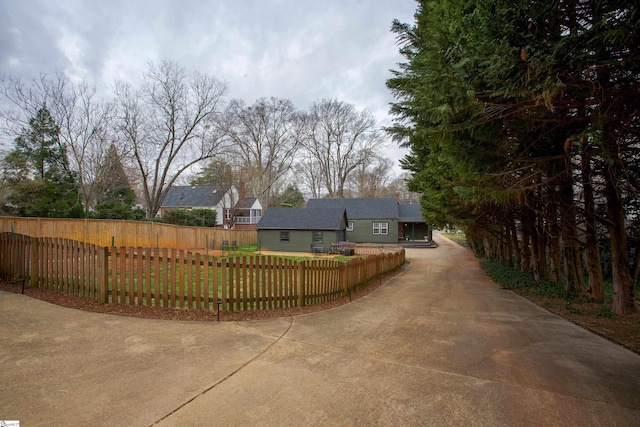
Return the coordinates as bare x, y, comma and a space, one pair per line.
185, 279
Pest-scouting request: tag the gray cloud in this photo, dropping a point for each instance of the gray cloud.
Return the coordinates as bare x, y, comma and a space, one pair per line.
299, 50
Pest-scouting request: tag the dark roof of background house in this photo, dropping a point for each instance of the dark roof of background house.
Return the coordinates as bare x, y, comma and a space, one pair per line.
410, 212
364, 208
193, 195
246, 203
302, 219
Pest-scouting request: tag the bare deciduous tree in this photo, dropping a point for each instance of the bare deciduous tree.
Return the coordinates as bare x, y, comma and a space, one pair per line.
372, 178
265, 137
168, 125
339, 139
310, 181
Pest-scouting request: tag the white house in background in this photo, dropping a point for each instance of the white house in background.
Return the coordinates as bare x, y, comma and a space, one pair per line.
230, 212
245, 215
190, 197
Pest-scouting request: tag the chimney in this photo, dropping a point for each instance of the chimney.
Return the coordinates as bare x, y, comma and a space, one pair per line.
398, 197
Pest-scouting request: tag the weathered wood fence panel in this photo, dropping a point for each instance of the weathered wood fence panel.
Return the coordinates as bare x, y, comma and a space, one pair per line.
14, 262
177, 278
64, 265
127, 233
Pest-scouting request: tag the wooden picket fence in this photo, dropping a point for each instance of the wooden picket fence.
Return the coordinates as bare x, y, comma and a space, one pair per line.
184, 279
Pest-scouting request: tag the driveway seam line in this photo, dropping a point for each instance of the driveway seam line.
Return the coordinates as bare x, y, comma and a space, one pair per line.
222, 380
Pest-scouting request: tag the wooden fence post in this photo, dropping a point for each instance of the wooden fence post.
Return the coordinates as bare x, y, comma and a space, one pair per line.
103, 275
34, 274
301, 283
344, 277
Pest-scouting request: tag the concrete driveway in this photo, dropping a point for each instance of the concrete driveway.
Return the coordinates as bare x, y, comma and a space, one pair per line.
440, 344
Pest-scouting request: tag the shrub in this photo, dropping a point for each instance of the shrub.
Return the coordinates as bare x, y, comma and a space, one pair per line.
194, 217
510, 278
118, 210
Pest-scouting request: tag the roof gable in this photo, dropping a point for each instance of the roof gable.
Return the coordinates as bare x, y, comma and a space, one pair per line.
194, 196
362, 208
410, 212
303, 219
249, 203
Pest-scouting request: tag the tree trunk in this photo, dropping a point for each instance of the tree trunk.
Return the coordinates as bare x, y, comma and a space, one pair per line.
526, 263
636, 263
622, 280
572, 262
541, 239
623, 285
568, 231
515, 243
508, 246
554, 250
556, 259
592, 248
535, 256
488, 250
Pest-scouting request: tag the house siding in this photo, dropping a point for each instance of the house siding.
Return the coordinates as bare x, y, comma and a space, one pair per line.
363, 231
299, 240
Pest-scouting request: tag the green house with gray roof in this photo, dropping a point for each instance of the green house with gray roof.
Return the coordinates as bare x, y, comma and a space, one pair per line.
378, 219
371, 220
411, 225
301, 230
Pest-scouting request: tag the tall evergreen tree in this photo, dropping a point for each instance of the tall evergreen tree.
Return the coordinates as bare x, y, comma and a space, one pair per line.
40, 147
115, 199
112, 183
46, 187
291, 197
512, 112
217, 173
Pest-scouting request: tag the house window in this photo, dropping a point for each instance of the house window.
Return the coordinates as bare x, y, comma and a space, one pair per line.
284, 237
227, 214
317, 237
380, 228
350, 226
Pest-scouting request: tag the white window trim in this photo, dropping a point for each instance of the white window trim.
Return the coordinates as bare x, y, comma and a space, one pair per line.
350, 226
380, 228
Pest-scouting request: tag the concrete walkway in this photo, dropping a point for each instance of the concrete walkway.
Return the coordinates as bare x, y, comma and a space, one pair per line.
440, 344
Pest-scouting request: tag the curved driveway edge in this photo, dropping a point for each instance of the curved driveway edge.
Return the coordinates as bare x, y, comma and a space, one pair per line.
72, 368
440, 344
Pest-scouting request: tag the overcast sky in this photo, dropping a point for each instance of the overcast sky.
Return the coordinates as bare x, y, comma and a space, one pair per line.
299, 50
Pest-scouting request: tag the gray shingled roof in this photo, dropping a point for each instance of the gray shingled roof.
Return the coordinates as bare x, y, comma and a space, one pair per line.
365, 208
193, 196
246, 203
301, 219
410, 212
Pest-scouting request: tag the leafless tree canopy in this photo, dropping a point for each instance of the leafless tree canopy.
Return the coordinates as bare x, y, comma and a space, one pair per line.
171, 121
338, 139
265, 139
372, 178
168, 125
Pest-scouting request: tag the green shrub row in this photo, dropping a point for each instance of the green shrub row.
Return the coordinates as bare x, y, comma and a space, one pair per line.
510, 278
